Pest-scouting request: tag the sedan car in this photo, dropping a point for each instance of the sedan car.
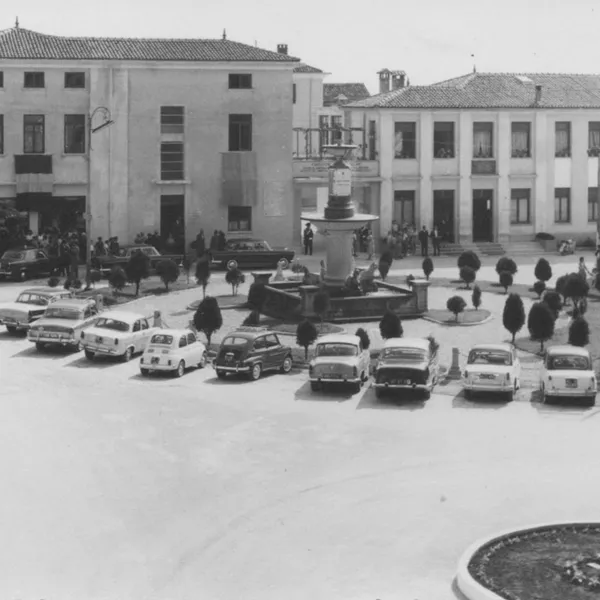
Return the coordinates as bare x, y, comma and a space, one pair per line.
63, 322
173, 350
252, 351
492, 368
29, 306
25, 263
105, 263
339, 359
247, 252
568, 372
118, 334
409, 364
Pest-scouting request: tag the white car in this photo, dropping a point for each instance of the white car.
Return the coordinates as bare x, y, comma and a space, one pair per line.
117, 333
173, 350
492, 368
568, 372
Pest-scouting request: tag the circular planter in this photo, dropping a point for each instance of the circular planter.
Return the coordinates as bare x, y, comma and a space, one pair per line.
550, 561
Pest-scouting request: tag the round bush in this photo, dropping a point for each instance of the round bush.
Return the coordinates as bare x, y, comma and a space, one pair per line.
469, 259
53, 282
553, 301
539, 287
467, 274
390, 326
540, 323
427, 267
506, 279
543, 270
456, 305
579, 332
507, 265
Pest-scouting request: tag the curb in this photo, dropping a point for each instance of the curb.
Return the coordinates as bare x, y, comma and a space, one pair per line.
455, 324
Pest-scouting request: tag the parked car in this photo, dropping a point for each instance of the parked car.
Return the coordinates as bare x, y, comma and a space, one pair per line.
25, 263
29, 306
252, 351
407, 364
173, 350
492, 368
105, 263
339, 359
568, 372
247, 252
118, 334
63, 322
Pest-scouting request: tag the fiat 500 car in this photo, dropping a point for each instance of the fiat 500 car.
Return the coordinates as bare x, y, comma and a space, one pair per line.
251, 351
339, 359
568, 373
117, 334
63, 322
407, 364
29, 306
173, 351
492, 368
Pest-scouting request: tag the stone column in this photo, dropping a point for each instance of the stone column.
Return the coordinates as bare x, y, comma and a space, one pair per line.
340, 261
503, 193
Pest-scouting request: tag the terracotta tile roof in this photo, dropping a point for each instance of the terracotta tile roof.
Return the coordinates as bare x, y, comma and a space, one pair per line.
495, 90
352, 91
18, 43
302, 68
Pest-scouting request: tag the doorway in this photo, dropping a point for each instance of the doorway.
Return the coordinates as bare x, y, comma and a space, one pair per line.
443, 213
172, 223
483, 219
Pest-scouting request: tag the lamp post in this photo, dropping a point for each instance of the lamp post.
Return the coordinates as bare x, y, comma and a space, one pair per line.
106, 122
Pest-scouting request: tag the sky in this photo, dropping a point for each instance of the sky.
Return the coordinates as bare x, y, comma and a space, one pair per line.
431, 40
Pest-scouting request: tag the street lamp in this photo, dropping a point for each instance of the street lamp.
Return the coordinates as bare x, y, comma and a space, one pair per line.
106, 122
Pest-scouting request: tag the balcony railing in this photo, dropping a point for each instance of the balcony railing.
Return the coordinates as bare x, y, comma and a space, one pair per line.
483, 167
26, 164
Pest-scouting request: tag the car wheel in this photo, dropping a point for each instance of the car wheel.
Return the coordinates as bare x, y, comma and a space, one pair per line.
76, 347
427, 394
40, 346
284, 263
89, 355
315, 386
11, 329
202, 362
510, 396
286, 367
256, 372
180, 370
145, 372
127, 354
379, 393
232, 264
355, 387
590, 401
221, 374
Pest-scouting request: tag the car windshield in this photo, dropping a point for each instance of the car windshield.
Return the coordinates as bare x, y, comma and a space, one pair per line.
162, 339
490, 357
106, 323
568, 363
27, 298
410, 354
63, 313
233, 340
13, 255
337, 349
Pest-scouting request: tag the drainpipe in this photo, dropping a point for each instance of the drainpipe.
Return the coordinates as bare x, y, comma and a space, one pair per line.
111, 104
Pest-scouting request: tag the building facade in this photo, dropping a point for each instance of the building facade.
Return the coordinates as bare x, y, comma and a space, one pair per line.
201, 135
489, 157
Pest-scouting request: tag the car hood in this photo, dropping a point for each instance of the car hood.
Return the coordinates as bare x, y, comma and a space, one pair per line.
66, 323
571, 374
488, 368
19, 307
420, 365
106, 333
351, 361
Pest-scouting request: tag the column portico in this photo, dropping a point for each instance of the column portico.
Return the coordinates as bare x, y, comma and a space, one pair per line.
503, 193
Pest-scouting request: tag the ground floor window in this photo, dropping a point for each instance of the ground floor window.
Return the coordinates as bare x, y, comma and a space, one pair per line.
520, 206
239, 218
404, 207
562, 205
593, 204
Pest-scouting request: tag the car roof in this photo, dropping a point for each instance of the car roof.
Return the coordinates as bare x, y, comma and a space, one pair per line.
248, 332
137, 246
339, 338
74, 302
174, 332
568, 349
44, 290
419, 343
244, 239
505, 347
122, 315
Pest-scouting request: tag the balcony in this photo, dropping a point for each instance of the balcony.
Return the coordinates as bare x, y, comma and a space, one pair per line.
33, 164
483, 167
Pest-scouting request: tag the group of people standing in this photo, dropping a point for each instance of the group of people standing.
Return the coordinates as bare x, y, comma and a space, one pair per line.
218, 242
402, 240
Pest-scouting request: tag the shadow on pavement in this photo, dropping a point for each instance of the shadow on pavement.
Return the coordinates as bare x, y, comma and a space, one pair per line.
406, 401
12, 337
559, 405
48, 354
101, 362
333, 393
456, 591
480, 401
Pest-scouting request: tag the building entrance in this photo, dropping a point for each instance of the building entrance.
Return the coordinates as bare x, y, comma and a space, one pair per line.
443, 213
483, 216
172, 223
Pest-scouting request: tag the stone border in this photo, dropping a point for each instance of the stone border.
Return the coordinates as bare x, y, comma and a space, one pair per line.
469, 586
425, 317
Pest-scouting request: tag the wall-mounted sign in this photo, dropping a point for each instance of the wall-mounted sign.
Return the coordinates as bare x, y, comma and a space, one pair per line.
319, 168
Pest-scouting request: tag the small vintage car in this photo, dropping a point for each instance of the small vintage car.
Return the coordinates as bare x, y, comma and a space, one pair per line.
407, 364
117, 333
29, 306
252, 351
173, 350
568, 372
339, 359
25, 263
492, 368
105, 263
63, 322
247, 252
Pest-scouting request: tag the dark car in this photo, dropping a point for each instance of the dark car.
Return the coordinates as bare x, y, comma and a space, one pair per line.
251, 351
246, 252
25, 263
106, 263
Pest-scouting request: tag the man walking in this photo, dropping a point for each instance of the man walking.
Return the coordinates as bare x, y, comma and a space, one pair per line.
435, 240
424, 241
308, 240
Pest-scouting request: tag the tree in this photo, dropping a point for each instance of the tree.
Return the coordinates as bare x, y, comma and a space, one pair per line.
76, 284
543, 270
53, 281
467, 274
513, 316
306, 335
208, 318
427, 267
364, 338
384, 267
553, 301
539, 287
137, 268
540, 323
168, 271
203, 273
576, 288
67, 284
476, 297
235, 277
579, 332
456, 305
257, 294
321, 305
252, 319
506, 280
506, 264
390, 326
560, 286
117, 279
469, 259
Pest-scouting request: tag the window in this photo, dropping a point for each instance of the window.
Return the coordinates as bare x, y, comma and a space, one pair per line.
323, 131
1, 134
521, 140
293, 93
593, 204
372, 140
336, 126
183, 341
562, 144
405, 140
191, 339
75, 80
562, 205
33, 134
483, 140
594, 138
520, 203
239, 218
171, 119
1, 79
404, 207
240, 133
33, 80
240, 81
171, 161
74, 134
443, 139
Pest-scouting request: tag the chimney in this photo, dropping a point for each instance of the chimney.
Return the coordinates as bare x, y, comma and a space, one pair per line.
398, 80
538, 94
384, 81
282, 48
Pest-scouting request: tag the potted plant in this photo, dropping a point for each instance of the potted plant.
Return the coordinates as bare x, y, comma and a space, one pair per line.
547, 240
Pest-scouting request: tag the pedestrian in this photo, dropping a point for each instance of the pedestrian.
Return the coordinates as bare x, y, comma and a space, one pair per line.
214, 241
354, 244
307, 239
435, 240
370, 245
200, 244
424, 241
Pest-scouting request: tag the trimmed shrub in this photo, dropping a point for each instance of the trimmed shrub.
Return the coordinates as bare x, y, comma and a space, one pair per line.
390, 326
137, 268
53, 282
117, 278
252, 319
257, 294
513, 316
321, 305
427, 266
506, 280
576, 288
540, 323
387, 257
467, 274
560, 286
168, 271
235, 278
306, 335
384, 267
469, 259
364, 338
579, 332
553, 301
544, 236
76, 284
68, 283
203, 273
95, 276
506, 264
476, 297
456, 305
543, 270
539, 287
208, 318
